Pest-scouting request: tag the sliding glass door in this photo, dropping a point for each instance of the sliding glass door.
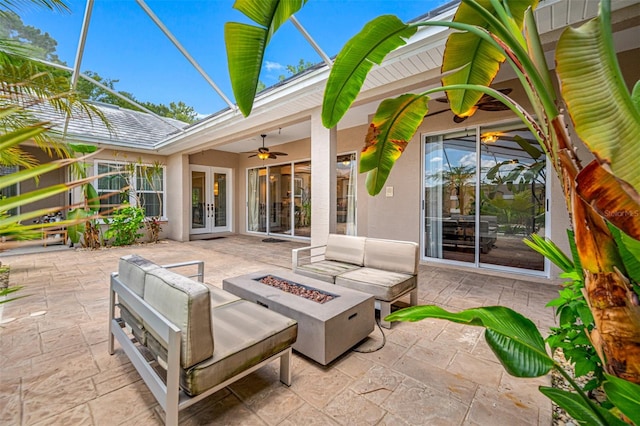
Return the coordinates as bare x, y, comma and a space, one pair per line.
484, 191
346, 194
279, 199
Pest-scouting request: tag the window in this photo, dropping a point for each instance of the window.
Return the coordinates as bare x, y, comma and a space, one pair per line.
11, 190
138, 184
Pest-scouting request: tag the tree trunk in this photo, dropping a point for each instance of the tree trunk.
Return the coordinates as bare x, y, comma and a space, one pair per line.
612, 300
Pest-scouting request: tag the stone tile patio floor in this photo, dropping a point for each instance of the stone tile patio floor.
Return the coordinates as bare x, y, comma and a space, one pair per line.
55, 369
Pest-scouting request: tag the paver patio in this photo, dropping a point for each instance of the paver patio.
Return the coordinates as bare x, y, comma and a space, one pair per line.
55, 368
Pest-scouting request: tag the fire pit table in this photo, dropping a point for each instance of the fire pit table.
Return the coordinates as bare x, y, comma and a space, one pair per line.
331, 319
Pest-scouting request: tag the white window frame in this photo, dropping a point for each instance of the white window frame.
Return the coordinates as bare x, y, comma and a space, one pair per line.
134, 181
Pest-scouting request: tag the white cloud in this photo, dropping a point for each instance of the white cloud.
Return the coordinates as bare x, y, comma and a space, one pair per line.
273, 66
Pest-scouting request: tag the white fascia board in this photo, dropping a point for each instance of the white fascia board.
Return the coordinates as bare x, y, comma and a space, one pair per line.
230, 122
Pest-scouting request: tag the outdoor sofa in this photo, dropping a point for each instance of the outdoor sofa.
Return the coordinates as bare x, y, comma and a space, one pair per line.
200, 338
386, 269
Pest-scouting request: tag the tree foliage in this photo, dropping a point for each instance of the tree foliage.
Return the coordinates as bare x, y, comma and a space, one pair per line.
39, 45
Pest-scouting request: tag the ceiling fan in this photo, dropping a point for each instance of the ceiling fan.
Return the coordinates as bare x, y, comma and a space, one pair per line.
486, 103
263, 152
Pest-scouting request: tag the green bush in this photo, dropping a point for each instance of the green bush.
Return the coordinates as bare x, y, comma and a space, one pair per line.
124, 225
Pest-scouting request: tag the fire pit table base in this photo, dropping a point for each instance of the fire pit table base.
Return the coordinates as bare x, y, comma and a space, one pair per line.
325, 330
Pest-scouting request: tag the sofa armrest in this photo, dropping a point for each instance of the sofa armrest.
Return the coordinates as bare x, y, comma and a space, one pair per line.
167, 394
300, 257
199, 275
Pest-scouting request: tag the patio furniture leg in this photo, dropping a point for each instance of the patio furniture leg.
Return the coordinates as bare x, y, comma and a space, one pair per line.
385, 309
285, 368
413, 297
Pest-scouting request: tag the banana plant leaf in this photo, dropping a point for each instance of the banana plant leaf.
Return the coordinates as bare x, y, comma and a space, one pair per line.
579, 409
468, 59
390, 131
625, 396
629, 252
611, 197
601, 107
246, 44
79, 217
370, 46
513, 338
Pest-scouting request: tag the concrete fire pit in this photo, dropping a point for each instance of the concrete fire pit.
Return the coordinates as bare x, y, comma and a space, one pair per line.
325, 330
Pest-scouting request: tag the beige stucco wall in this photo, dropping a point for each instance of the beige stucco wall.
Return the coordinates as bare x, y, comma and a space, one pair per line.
48, 179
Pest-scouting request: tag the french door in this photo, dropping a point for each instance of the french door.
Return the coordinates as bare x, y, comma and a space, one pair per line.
210, 199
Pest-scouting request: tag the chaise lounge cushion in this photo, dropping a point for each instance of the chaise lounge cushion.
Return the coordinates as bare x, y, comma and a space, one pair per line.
383, 285
187, 304
245, 334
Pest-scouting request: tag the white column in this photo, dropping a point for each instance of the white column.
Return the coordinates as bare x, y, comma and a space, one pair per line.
178, 198
323, 180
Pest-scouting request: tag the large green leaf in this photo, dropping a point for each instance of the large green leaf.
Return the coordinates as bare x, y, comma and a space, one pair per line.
580, 409
92, 196
355, 60
246, 44
513, 338
395, 123
76, 230
601, 108
468, 59
625, 396
629, 252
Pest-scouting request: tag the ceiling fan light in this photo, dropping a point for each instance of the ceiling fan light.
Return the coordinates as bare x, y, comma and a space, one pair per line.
263, 155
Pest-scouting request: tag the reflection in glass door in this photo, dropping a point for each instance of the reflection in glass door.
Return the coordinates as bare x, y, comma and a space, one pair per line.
279, 199
210, 199
482, 218
512, 197
450, 170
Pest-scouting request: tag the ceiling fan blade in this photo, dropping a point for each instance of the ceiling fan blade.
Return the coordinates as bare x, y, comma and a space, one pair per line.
253, 155
279, 153
272, 155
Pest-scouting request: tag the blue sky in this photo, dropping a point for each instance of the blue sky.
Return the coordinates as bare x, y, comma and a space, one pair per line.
123, 43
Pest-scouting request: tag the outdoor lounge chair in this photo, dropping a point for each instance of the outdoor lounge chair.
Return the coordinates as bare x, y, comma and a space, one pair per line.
199, 337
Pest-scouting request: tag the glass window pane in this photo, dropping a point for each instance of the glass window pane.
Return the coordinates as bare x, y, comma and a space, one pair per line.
450, 174
513, 191
302, 198
345, 194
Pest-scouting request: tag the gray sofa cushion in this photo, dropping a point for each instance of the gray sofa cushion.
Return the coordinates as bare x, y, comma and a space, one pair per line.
388, 255
187, 304
325, 270
345, 248
132, 270
221, 297
383, 285
246, 334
